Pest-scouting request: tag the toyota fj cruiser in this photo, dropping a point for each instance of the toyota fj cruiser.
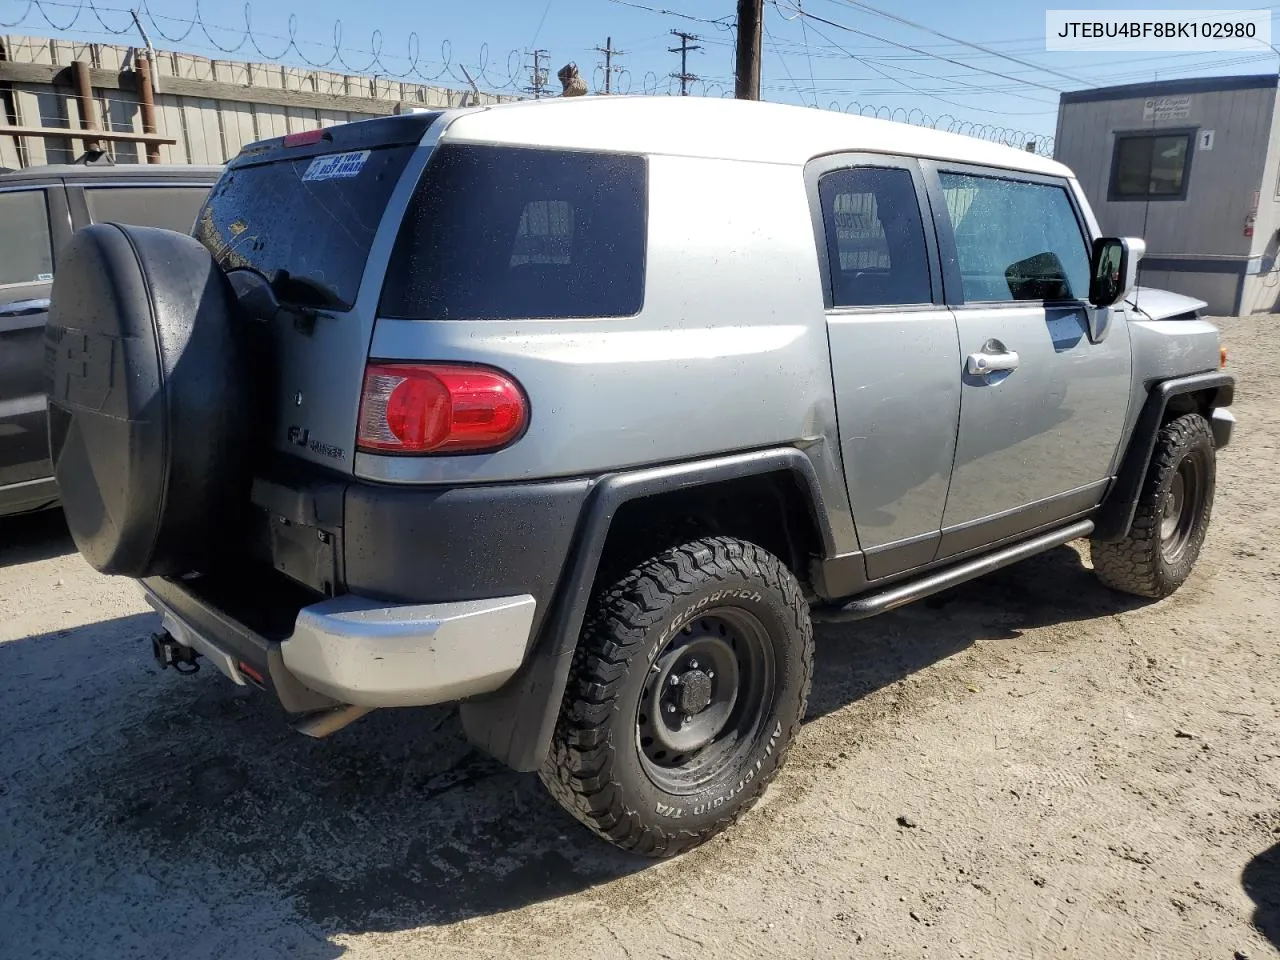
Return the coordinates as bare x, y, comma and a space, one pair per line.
578, 413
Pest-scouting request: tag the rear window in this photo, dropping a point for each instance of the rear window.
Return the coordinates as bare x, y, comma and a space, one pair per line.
314, 218
497, 232
173, 208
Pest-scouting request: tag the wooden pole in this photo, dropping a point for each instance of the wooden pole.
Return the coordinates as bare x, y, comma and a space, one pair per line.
750, 26
146, 97
88, 113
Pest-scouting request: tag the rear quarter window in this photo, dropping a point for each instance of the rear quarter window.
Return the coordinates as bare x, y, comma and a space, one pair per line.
506, 232
169, 207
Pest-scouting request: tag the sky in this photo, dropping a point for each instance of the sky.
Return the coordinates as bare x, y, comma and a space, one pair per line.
836, 54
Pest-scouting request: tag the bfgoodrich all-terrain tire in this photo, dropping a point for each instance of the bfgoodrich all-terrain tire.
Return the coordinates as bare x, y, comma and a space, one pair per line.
1172, 516
688, 685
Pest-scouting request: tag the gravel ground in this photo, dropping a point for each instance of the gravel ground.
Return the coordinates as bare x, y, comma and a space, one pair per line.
1030, 766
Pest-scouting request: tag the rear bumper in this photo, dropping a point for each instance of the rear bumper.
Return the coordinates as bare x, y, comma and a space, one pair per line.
364, 652
360, 651
376, 595
1222, 422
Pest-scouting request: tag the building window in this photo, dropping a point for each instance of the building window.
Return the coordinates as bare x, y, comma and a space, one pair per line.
1150, 166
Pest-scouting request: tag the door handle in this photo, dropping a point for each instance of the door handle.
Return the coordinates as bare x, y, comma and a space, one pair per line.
980, 364
24, 308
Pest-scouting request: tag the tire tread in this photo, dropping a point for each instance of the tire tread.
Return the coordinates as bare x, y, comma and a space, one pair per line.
576, 771
1135, 565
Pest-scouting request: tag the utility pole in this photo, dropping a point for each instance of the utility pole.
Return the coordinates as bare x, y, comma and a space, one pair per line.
750, 25
684, 76
609, 54
537, 74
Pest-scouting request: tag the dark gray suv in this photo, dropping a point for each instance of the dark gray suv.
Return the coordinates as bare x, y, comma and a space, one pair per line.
40, 208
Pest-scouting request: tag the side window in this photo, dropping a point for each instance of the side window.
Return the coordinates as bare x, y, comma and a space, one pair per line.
1016, 240
507, 232
173, 208
26, 249
875, 238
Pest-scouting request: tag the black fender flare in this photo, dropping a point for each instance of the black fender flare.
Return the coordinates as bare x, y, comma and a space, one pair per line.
515, 724
1114, 516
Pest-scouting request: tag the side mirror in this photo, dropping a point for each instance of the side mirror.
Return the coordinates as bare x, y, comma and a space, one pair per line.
1113, 269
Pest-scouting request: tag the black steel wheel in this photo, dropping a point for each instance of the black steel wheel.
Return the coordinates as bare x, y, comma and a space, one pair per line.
689, 683
1183, 506
706, 699
1171, 517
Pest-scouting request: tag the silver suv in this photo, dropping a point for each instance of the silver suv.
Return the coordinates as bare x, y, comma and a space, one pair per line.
578, 413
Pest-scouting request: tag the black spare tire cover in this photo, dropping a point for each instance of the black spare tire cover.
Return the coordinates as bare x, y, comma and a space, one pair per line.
148, 400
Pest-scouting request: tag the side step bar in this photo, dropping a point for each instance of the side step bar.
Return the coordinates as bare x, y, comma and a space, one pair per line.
901, 594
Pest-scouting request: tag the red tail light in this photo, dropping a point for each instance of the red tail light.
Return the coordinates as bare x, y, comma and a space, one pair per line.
304, 139
438, 408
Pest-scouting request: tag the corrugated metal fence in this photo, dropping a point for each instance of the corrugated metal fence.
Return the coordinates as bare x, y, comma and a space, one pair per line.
209, 108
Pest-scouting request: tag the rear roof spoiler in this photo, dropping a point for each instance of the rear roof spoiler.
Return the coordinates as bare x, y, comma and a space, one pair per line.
395, 131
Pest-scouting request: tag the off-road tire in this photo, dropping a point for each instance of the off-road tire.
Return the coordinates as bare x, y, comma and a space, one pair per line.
1142, 563
596, 768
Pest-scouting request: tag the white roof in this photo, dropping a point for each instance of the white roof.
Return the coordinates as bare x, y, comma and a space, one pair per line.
723, 128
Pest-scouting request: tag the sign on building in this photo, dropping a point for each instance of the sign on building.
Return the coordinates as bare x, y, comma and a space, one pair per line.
1166, 108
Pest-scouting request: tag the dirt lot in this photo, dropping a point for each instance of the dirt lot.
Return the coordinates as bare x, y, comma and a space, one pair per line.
1028, 767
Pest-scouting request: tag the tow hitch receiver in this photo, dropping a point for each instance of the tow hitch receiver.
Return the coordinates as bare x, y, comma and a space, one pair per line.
170, 653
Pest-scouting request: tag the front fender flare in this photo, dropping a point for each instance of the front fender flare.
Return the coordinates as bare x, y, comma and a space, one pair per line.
1115, 515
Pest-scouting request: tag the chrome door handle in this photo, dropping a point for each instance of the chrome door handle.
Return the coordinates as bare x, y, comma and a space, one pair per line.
24, 308
981, 364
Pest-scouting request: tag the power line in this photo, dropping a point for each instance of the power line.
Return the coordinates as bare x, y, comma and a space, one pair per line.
931, 96
871, 65
722, 22
773, 43
907, 46
541, 20
859, 4
804, 32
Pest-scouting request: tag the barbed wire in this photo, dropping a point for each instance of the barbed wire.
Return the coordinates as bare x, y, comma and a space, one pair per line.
996, 133
621, 83
375, 60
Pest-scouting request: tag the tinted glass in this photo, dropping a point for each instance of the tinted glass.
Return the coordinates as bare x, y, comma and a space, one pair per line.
496, 232
172, 208
26, 253
875, 238
269, 218
1016, 240
1150, 166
